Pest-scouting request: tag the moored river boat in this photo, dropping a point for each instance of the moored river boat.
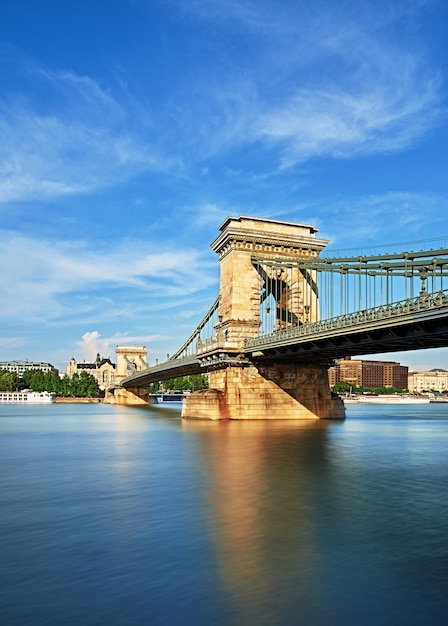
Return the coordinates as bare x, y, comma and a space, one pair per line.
387, 399
26, 397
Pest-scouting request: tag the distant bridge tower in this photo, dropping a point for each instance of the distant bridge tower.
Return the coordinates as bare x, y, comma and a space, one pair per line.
130, 360
275, 389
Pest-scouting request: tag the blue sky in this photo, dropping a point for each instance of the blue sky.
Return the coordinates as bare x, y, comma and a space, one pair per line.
130, 129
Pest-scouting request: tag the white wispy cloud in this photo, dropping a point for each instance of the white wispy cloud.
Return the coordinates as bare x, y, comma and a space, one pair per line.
63, 134
273, 17
319, 123
207, 215
380, 219
72, 280
321, 80
11, 343
370, 94
93, 343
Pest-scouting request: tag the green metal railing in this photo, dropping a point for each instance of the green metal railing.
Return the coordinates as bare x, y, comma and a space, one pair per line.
367, 317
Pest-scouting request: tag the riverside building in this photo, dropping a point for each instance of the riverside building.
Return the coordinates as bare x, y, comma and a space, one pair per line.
369, 374
130, 359
102, 369
434, 380
19, 367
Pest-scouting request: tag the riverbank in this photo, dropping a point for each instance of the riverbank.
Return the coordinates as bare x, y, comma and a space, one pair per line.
77, 400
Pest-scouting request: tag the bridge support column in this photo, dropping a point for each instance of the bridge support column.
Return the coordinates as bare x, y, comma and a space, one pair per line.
277, 391
131, 396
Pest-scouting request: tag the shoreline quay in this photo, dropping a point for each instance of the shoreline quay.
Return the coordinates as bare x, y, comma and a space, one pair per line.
62, 400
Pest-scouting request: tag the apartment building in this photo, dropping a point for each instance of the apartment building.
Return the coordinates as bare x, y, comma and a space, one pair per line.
369, 374
19, 367
434, 380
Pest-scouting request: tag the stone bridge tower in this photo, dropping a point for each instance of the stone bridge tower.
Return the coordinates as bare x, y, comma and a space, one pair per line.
130, 360
247, 248
243, 246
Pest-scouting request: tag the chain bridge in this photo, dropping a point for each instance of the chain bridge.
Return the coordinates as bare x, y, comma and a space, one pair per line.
286, 310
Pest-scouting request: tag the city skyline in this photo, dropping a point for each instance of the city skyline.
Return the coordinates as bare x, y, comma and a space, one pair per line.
131, 130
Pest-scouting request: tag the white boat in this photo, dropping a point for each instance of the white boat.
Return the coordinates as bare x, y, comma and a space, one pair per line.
26, 397
387, 399
350, 400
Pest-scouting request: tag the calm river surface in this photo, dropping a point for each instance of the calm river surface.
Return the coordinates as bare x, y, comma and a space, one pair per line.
131, 516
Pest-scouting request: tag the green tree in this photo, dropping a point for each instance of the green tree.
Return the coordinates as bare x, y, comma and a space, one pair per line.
52, 382
386, 390
9, 381
88, 387
65, 386
198, 381
343, 387
26, 378
74, 389
187, 383
36, 381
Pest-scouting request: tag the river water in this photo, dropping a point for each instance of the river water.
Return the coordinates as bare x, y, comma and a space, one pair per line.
132, 516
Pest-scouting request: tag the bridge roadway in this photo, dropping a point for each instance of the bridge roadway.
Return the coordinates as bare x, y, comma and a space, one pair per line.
411, 324
183, 366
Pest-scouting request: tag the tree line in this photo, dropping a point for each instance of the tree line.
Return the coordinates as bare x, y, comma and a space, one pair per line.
81, 385
343, 387
84, 385
184, 383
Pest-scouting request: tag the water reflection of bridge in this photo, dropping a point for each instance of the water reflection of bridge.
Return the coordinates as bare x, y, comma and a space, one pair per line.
285, 311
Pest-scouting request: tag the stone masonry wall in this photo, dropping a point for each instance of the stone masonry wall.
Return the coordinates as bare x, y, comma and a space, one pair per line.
282, 392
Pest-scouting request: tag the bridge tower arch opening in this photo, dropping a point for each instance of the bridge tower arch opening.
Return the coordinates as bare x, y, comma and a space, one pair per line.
260, 284
289, 292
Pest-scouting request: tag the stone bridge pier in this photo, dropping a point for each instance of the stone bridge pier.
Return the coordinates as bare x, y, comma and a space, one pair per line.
277, 391
131, 396
272, 390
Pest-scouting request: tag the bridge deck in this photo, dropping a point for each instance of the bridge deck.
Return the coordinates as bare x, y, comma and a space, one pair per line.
423, 330
411, 324
187, 366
